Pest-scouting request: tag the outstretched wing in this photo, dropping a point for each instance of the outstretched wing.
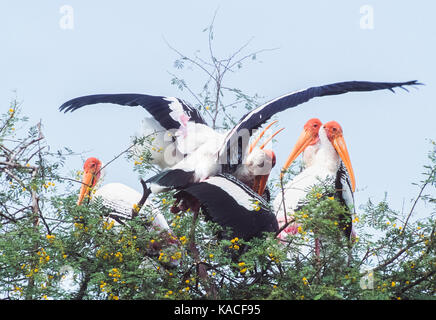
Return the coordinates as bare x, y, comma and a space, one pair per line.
169, 112
233, 205
255, 118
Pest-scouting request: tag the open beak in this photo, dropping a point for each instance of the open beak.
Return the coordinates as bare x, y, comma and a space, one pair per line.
341, 149
88, 181
260, 136
260, 182
270, 138
303, 141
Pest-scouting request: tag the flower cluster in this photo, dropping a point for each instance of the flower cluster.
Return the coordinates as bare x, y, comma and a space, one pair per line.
242, 267
234, 245
115, 273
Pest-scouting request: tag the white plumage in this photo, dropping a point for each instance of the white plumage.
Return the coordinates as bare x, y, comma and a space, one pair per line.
321, 163
121, 199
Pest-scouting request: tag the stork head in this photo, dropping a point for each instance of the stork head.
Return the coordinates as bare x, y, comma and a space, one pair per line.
261, 161
91, 174
335, 135
309, 136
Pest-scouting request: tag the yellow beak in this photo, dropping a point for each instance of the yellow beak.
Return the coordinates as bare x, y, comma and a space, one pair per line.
341, 149
88, 181
303, 141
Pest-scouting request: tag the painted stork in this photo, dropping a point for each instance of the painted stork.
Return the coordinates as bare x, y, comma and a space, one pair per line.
119, 198
204, 152
326, 159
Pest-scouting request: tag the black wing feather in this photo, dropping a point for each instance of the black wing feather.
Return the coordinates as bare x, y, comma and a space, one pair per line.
224, 209
157, 106
173, 178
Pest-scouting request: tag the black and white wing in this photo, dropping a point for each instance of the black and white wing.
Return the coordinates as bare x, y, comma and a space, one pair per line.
258, 116
169, 112
345, 195
233, 205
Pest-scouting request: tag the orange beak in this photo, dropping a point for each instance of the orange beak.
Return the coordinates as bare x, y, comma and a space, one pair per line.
270, 138
260, 181
89, 180
341, 148
305, 139
260, 184
260, 136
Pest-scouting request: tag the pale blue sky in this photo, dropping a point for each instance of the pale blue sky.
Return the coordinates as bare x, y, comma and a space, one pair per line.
118, 46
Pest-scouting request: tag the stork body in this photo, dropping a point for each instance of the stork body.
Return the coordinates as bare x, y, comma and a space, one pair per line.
327, 161
121, 201
233, 205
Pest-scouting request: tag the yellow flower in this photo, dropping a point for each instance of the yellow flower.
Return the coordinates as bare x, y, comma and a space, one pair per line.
243, 270
393, 284
241, 264
318, 195
305, 282
211, 256
187, 289
187, 281
135, 207
11, 110
50, 237
183, 239
331, 198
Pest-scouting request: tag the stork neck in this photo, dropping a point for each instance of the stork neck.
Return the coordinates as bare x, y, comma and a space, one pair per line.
326, 156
